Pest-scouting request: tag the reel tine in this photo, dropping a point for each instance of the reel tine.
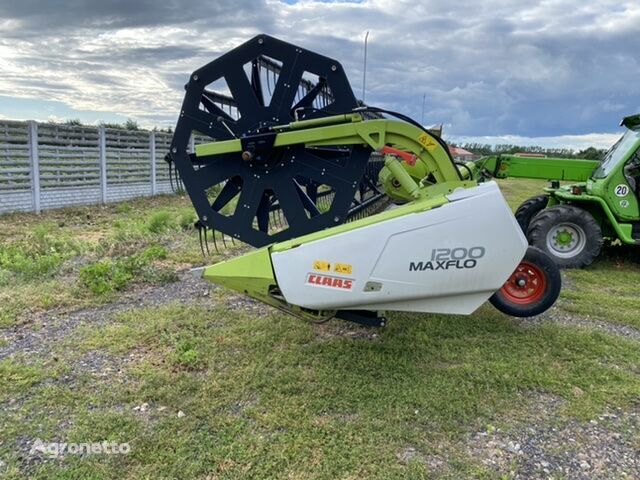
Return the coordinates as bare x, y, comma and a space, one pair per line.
206, 242
202, 236
233, 242
169, 159
215, 244
179, 184
171, 176
199, 227
223, 240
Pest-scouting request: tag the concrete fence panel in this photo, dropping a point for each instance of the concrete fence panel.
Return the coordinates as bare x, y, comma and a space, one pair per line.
44, 165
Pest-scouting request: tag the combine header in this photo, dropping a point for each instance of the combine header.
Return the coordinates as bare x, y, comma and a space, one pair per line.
292, 157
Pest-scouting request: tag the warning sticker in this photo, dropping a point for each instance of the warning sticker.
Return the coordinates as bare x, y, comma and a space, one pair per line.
427, 142
345, 268
321, 265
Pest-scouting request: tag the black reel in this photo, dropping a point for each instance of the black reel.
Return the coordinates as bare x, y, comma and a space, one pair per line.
266, 82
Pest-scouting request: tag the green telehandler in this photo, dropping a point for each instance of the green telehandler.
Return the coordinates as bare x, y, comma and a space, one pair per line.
572, 221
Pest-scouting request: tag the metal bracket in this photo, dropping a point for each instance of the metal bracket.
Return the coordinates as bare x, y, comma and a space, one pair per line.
362, 317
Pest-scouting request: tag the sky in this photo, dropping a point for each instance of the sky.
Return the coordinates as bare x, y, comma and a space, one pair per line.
551, 73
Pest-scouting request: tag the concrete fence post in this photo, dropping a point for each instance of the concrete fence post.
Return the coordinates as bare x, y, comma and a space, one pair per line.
34, 163
102, 155
152, 156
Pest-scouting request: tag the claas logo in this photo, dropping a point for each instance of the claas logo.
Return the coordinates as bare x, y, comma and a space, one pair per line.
317, 280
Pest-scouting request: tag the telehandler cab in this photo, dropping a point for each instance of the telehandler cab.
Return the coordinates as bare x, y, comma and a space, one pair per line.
571, 222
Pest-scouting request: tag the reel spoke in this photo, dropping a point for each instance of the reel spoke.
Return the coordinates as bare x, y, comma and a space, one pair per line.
275, 193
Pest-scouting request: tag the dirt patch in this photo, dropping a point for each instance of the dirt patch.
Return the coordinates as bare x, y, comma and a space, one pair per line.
558, 316
40, 334
540, 446
605, 447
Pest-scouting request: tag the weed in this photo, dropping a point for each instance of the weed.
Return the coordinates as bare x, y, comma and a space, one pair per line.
187, 355
186, 218
107, 276
41, 253
124, 208
104, 277
161, 222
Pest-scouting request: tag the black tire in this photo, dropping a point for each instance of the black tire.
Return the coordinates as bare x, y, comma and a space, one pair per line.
581, 240
529, 209
541, 288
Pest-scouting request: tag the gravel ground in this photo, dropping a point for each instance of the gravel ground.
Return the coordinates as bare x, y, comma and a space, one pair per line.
36, 337
605, 447
541, 446
557, 316
538, 447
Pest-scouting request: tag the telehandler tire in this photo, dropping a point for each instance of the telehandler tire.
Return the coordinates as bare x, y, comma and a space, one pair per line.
532, 288
529, 209
568, 234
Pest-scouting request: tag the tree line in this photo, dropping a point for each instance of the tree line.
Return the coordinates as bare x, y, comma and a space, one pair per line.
590, 153
129, 124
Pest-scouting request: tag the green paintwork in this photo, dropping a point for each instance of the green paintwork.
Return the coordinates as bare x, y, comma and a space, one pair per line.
420, 205
599, 181
319, 122
431, 157
564, 238
568, 169
397, 182
591, 203
252, 274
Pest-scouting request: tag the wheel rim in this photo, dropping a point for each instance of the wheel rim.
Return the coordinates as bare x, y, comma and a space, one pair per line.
526, 285
566, 240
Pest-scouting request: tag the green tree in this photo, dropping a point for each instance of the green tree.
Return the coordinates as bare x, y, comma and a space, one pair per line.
591, 153
131, 124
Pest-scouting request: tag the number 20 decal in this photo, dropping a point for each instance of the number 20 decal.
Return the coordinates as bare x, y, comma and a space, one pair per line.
621, 190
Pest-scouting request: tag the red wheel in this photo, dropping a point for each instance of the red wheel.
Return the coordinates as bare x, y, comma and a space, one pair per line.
526, 285
532, 288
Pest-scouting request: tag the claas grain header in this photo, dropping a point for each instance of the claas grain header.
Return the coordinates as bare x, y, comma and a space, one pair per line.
352, 210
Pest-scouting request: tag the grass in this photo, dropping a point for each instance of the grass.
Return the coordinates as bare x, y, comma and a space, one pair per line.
608, 290
273, 397
517, 190
80, 256
106, 276
264, 395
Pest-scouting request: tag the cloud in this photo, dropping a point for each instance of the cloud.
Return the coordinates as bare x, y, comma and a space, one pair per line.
575, 142
486, 67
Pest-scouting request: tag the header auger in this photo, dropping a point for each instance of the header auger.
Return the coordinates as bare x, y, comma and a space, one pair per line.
294, 140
